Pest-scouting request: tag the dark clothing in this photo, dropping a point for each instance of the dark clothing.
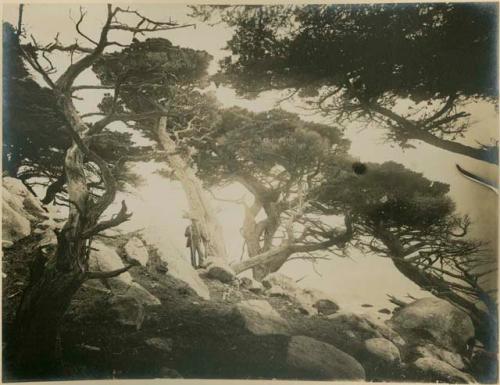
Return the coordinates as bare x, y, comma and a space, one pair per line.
193, 241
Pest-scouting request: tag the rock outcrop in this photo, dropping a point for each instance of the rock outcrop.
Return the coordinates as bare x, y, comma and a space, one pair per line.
136, 249
313, 359
180, 268
105, 258
217, 268
383, 351
260, 318
20, 211
431, 369
437, 321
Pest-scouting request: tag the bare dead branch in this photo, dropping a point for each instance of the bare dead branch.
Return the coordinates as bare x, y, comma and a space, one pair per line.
78, 29
120, 217
108, 274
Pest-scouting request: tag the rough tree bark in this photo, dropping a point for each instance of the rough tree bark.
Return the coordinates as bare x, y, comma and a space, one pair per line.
276, 256
200, 207
33, 350
259, 236
253, 232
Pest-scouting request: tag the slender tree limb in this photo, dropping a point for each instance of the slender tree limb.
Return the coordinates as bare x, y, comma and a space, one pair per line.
120, 217
108, 274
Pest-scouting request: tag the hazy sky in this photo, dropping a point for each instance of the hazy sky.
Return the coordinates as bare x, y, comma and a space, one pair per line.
158, 204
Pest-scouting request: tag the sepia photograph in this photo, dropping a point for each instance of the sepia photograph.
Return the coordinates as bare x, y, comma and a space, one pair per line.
303, 192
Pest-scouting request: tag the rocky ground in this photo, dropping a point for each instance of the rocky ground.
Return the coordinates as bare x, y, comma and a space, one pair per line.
163, 319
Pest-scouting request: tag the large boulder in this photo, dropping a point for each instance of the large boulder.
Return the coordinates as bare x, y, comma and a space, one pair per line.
311, 301
361, 327
433, 320
326, 307
383, 351
105, 258
136, 249
432, 369
260, 318
14, 226
217, 268
21, 210
180, 268
17, 195
311, 359
432, 351
381, 360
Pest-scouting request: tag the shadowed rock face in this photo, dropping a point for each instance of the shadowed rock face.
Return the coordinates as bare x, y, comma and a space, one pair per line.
260, 318
149, 323
432, 369
436, 321
313, 359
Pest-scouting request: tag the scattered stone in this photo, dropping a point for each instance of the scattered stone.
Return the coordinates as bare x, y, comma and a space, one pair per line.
434, 370
304, 298
326, 307
383, 350
136, 249
311, 359
366, 305
260, 318
217, 268
251, 285
437, 321
162, 344
384, 311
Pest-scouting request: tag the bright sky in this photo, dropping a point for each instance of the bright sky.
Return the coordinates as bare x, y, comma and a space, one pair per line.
158, 204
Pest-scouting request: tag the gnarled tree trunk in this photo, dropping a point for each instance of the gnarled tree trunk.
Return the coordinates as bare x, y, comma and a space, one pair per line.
33, 352
200, 207
33, 349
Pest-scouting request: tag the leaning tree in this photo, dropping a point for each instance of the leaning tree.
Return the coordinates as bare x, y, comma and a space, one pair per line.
411, 68
55, 278
401, 215
279, 159
156, 79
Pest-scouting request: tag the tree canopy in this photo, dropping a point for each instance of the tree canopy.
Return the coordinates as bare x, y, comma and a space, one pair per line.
361, 61
34, 136
400, 214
